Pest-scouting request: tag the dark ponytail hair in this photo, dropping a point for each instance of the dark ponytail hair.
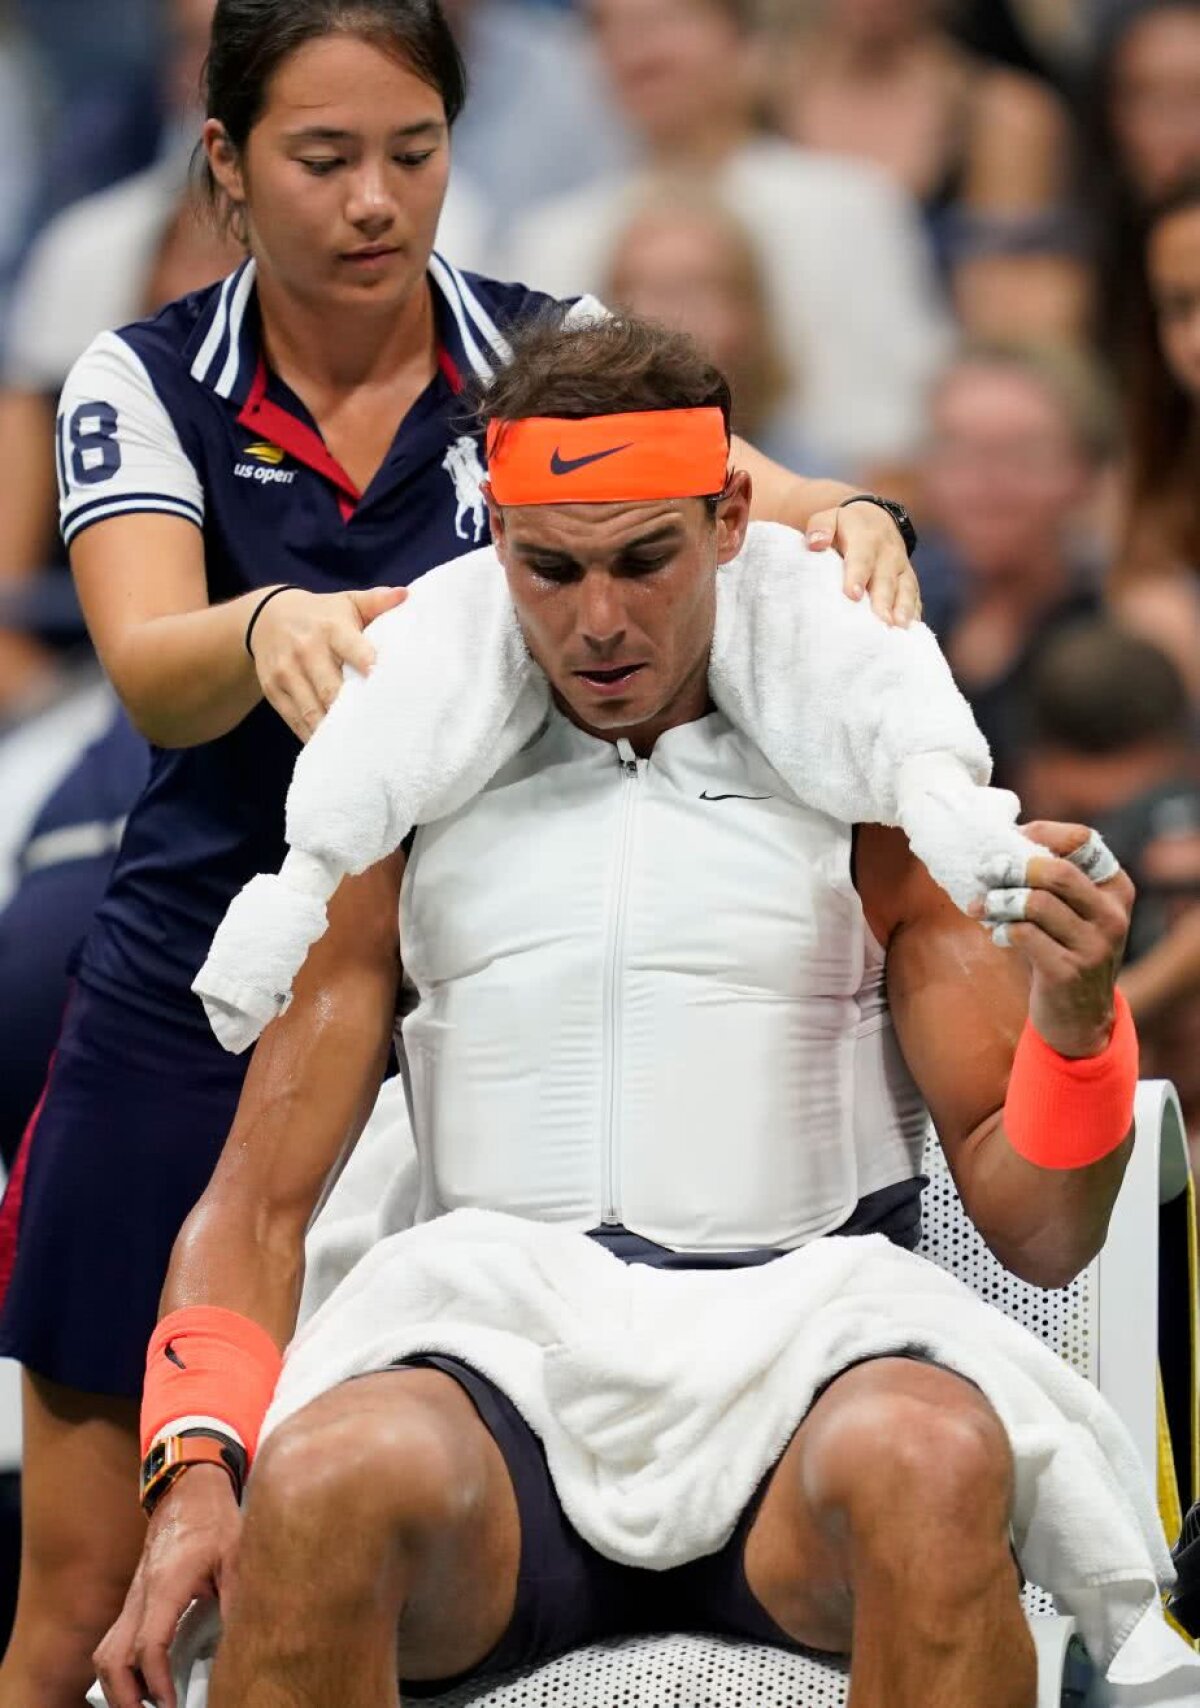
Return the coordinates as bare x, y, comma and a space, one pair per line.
1162, 419
251, 39
1116, 208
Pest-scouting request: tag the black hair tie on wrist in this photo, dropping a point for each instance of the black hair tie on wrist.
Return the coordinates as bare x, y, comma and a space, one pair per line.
289, 587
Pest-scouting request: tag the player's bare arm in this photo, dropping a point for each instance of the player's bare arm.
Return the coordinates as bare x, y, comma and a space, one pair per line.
311, 1086
960, 1003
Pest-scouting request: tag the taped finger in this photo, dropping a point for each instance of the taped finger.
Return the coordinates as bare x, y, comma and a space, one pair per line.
1000, 934
1005, 905
1095, 859
1002, 871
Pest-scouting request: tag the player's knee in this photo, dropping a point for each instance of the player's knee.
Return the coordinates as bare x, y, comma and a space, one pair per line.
405, 1472
940, 1456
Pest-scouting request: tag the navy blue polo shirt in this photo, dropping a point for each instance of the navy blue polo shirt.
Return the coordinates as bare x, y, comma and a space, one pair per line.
179, 415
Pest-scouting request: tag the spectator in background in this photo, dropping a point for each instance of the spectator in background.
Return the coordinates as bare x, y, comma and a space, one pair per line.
985, 150
20, 145
101, 59
1111, 745
1142, 140
1156, 587
63, 871
102, 263
1018, 437
852, 291
1047, 37
686, 260
539, 121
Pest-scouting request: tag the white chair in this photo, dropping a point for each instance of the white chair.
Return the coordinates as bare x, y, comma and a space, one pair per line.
10, 1400
1104, 1324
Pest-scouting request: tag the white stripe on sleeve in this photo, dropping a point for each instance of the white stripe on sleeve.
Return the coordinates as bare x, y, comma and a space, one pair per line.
118, 449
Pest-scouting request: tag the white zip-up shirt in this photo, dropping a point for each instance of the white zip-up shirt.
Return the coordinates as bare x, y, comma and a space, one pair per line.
646, 993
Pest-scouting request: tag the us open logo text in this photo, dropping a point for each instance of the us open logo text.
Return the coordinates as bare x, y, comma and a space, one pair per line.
265, 468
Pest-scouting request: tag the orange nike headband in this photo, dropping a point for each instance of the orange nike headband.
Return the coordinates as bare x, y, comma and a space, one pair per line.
608, 459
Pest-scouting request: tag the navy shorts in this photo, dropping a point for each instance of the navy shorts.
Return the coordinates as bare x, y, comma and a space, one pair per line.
568, 1595
132, 1121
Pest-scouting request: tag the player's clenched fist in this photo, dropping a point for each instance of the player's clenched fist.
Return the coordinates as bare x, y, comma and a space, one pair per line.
1068, 917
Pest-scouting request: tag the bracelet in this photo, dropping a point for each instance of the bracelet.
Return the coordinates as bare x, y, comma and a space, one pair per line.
288, 587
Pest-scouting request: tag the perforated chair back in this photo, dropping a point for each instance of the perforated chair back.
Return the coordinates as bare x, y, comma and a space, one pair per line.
1065, 1319
1105, 1324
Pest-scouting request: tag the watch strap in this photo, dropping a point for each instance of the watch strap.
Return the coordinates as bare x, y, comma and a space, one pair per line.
169, 1457
897, 512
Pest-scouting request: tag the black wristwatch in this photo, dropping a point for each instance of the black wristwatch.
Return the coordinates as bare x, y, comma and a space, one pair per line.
896, 511
169, 1458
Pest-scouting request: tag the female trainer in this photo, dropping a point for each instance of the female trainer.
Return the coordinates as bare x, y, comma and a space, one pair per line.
248, 479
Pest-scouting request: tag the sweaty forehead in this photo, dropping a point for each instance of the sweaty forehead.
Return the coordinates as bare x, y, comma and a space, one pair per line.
597, 532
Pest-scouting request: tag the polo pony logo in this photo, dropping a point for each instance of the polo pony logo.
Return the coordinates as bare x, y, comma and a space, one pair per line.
462, 464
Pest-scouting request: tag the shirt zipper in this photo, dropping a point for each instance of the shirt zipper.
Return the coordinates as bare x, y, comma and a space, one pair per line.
610, 1183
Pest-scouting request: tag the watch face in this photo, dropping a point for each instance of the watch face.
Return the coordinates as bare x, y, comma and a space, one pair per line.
154, 1461
157, 1476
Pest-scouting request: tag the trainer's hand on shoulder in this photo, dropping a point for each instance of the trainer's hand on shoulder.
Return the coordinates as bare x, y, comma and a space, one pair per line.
874, 557
301, 641
189, 1552
1071, 930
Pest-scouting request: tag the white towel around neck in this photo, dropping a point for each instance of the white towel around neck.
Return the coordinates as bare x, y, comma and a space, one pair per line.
860, 719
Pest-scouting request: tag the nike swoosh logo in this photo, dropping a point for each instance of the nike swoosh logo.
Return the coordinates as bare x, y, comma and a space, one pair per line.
174, 1356
707, 797
567, 465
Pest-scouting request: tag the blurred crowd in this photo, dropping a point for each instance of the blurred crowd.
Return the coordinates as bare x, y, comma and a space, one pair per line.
945, 249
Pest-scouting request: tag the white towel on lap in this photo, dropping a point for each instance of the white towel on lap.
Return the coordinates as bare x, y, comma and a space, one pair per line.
861, 720
713, 1376
662, 1398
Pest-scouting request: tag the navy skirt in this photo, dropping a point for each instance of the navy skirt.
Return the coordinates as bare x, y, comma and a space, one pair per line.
132, 1120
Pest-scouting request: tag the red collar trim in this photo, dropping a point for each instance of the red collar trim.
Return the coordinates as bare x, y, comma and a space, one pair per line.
295, 437
275, 423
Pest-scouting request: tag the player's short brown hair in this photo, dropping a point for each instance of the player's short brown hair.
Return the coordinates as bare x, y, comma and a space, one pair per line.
611, 366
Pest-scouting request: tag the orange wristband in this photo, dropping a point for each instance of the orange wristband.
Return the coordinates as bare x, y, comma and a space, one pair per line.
206, 1364
1065, 1112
